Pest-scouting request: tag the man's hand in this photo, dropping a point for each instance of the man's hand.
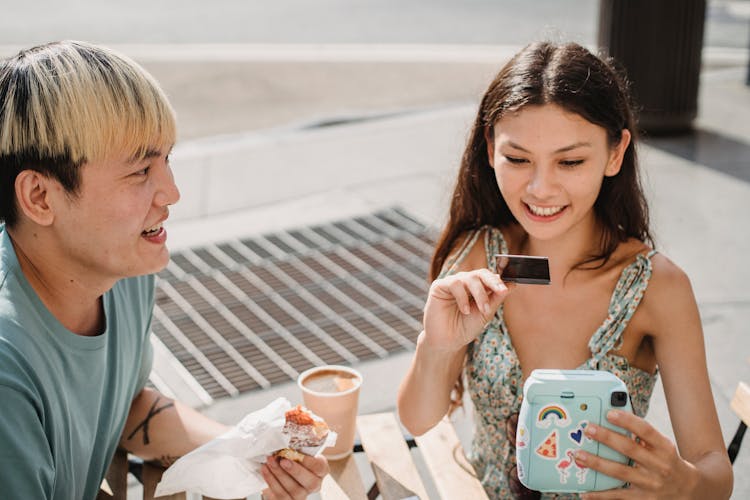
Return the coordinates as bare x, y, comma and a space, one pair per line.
296, 480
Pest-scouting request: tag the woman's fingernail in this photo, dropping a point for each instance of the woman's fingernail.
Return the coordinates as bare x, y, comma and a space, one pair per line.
580, 456
487, 309
286, 464
613, 415
590, 430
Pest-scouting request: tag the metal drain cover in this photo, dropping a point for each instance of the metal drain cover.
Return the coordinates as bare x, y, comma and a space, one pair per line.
246, 314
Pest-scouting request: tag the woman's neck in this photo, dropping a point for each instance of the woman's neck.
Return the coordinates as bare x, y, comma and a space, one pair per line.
569, 250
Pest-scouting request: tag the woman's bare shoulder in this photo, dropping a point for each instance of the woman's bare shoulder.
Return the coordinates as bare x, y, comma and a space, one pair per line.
666, 276
476, 257
669, 295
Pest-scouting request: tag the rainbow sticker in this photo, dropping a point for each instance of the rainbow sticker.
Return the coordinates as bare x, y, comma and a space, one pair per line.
552, 413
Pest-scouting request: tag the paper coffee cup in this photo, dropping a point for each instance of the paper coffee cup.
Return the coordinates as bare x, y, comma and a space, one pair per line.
332, 392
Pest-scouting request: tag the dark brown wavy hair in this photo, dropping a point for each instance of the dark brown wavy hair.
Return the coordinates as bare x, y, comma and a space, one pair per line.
571, 77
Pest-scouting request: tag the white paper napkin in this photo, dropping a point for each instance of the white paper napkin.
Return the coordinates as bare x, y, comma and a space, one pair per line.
229, 466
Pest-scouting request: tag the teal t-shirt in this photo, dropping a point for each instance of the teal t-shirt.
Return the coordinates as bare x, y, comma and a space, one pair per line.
64, 397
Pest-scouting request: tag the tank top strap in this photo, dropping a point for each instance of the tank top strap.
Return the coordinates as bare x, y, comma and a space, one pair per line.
494, 243
456, 258
625, 299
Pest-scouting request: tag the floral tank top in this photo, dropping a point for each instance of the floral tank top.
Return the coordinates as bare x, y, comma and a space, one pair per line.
495, 380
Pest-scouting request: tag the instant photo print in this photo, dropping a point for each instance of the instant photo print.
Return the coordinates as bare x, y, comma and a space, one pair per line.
525, 269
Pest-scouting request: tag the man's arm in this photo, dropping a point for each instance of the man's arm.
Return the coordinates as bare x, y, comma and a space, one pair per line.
26, 466
161, 429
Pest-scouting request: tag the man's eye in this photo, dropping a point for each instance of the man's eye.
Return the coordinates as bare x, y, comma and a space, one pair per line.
514, 159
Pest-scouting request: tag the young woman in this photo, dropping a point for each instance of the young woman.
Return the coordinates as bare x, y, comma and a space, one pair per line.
551, 169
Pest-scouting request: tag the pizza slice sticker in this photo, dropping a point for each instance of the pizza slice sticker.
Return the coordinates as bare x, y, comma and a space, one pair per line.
548, 448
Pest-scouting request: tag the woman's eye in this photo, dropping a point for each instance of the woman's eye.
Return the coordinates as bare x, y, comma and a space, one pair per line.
570, 163
514, 159
142, 171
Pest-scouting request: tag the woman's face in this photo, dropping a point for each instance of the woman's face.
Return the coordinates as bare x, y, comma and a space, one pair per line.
549, 165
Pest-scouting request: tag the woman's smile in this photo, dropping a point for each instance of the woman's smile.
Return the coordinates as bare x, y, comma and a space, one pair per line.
546, 213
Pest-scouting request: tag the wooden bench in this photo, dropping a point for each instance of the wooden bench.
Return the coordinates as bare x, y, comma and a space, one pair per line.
387, 452
115, 485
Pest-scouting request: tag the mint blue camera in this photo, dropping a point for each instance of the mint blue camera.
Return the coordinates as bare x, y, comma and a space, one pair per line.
557, 406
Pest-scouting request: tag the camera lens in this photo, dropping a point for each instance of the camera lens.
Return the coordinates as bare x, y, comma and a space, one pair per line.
619, 398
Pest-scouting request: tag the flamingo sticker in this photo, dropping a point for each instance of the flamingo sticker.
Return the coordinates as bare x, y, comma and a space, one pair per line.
563, 466
581, 472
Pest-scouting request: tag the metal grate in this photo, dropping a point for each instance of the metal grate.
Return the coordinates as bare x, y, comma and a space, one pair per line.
246, 314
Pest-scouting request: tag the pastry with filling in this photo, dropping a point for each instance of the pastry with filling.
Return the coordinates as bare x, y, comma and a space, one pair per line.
304, 431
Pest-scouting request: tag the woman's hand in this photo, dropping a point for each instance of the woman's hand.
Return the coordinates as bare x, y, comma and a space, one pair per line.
460, 306
658, 470
287, 479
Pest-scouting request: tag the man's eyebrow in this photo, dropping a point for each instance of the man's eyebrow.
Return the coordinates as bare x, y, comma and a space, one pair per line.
147, 154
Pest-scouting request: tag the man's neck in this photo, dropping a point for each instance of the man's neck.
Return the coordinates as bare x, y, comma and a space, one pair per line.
77, 304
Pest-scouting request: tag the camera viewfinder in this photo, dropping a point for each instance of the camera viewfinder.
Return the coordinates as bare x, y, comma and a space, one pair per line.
619, 398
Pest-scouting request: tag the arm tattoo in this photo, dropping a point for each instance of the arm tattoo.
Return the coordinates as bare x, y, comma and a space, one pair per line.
151, 413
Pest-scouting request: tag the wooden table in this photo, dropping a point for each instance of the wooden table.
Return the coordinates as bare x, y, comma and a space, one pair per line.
396, 476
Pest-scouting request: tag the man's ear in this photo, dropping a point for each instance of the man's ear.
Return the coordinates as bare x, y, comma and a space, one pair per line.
489, 138
32, 196
616, 155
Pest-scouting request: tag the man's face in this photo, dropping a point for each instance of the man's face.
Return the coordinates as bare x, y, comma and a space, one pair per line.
113, 228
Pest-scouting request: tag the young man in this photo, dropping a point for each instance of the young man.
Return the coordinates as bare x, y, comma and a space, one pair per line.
85, 186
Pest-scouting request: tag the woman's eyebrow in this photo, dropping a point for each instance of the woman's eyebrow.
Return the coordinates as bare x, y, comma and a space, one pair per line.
574, 146
517, 146
561, 150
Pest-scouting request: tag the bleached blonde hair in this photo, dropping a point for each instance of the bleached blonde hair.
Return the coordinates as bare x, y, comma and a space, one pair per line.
67, 103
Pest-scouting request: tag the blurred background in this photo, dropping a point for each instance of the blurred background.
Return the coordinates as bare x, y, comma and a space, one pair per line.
318, 142
224, 63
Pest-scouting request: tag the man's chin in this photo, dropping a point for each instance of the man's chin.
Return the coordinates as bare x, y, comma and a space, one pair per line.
153, 267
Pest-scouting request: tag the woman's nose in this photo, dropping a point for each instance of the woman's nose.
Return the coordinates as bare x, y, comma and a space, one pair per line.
543, 182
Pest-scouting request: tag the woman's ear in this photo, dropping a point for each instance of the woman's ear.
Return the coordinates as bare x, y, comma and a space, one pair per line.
32, 196
489, 138
616, 155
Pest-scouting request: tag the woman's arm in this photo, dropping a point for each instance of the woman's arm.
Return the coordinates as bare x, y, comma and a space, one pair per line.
458, 308
697, 466
681, 357
425, 393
